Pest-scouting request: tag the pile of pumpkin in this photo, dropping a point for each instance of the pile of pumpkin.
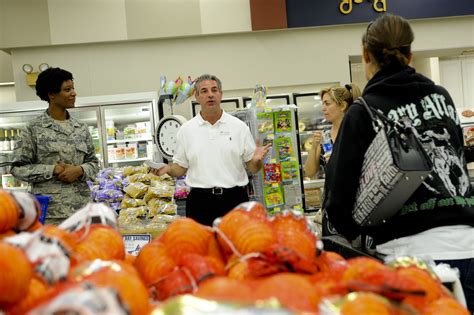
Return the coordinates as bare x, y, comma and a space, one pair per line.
246, 257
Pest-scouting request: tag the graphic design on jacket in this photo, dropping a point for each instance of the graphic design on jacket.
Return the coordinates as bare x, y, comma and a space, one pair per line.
448, 165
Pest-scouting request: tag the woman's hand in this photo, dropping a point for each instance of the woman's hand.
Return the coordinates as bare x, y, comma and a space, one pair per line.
70, 174
317, 138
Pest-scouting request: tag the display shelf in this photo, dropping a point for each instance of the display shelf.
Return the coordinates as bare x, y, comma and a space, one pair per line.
307, 133
16, 188
314, 183
148, 138
129, 160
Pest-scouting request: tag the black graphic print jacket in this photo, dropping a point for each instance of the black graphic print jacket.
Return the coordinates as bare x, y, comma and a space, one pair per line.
445, 196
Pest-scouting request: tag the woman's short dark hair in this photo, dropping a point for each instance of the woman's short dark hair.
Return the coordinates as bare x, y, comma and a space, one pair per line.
50, 81
389, 40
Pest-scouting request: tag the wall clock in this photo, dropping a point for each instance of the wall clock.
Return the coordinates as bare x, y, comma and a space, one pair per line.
166, 132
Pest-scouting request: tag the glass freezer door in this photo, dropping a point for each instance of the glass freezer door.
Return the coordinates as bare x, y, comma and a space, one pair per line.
311, 118
91, 116
11, 126
128, 133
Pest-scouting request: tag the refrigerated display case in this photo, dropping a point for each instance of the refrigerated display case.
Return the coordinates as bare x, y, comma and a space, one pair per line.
12, 120
311, 119
271, 100
128, 133
227, 104
121, 125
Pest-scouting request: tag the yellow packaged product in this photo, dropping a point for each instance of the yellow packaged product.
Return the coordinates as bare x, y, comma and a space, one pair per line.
130, 170
136, 190
159, 191
129, 202
161, 206
140, 178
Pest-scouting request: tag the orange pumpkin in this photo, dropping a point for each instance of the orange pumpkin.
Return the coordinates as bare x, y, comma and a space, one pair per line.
239, 270
255, 210
37, 293
293, 232
327, 285
430, 285
102, 242
15, 275
185, 236
332, 262
130, 259
9, 212
367, 304
361, 266
445, 306
213, 249
225, 289
293, 291
120, 276
254, 236
200, 267
66, 238
177, 282
216, 265
153, 263
230, 224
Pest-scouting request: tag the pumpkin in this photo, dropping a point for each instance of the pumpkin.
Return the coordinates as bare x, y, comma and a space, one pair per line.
255, 210
225, 289
185, 236
293, 291
239, 270
199, 267
153, 263
445, 306
432, 287
37, 293
227, 228
254, 236
361, 266
101, 242
9, 211
120, 276
367, 304
66, 238
293, 232
332, 262
15, 275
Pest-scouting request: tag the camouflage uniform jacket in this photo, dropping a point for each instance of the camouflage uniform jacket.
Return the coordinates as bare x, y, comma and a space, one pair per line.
45, 142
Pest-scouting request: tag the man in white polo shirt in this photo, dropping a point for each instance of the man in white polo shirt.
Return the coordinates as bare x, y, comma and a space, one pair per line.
214, 149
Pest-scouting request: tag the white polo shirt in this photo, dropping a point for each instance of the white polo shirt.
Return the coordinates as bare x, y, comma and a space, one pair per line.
214, 155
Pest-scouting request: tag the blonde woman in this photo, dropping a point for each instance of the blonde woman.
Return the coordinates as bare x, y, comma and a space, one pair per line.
336, 101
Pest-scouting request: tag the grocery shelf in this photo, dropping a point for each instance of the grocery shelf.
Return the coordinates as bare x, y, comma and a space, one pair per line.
130, 140
129, 160
315, 183
307, 133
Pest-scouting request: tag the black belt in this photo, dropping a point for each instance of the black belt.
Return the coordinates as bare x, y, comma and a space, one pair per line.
214, 190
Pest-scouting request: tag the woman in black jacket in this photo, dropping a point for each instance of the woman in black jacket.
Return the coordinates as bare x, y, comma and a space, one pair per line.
437, 220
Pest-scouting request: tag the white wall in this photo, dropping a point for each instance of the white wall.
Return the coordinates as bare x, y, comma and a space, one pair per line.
283, 58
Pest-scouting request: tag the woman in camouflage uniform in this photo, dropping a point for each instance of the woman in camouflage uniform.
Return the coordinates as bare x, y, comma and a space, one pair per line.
55, 152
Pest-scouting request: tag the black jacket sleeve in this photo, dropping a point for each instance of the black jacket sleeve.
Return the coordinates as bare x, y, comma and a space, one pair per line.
344, 168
